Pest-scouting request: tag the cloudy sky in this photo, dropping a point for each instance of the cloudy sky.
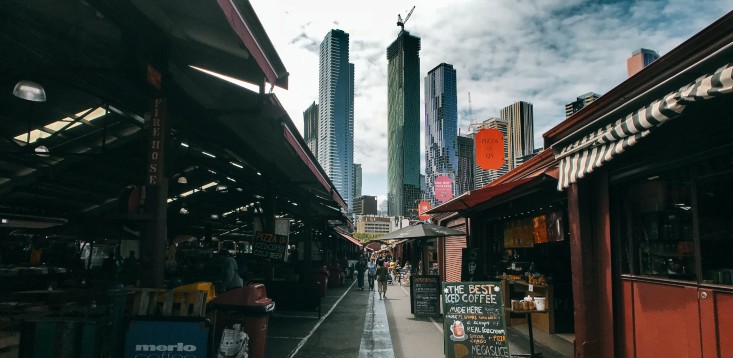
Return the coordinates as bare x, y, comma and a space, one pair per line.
546, 52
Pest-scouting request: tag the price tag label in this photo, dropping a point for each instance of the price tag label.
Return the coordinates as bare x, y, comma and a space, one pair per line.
531, 288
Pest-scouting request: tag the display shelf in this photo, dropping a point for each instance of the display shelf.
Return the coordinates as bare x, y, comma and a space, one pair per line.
544, 320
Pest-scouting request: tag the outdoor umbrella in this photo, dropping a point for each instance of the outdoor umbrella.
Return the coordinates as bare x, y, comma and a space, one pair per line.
421, 230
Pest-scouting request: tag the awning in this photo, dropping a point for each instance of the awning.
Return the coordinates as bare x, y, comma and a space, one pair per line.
348, 237
593, 150
479, 196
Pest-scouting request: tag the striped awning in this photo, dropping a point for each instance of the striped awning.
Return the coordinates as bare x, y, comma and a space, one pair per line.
593, 150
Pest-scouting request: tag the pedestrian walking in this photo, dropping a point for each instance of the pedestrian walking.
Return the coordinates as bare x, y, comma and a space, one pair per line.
360, 268
382, 278
372, 272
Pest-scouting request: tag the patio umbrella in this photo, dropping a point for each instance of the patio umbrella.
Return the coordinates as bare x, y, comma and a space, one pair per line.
421, 230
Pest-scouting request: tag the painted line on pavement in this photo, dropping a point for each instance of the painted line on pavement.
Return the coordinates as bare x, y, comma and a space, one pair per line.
323, 318
376, 342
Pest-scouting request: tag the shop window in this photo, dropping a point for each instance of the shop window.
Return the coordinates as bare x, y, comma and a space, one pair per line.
657, 211
666, 216
715, 197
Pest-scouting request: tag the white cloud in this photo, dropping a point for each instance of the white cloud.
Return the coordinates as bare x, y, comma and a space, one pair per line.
544, 52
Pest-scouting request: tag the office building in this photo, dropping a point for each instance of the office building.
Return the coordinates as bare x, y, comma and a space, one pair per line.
310, 128
464, 173
357, 180
484, 176
640, 59
580, 102
336, 113
365, 205
370, 224
520, 131
441, 131
403, 125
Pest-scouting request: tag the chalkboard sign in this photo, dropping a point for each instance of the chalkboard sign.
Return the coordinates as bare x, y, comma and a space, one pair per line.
425, 295
270, 246
474, 323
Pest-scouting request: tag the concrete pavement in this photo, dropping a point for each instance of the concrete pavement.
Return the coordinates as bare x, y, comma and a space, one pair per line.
357, 323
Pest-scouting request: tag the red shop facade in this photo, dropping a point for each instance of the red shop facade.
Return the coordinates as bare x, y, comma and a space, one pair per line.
646, 169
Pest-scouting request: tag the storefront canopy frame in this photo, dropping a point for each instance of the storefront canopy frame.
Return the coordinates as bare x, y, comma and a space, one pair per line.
593, 150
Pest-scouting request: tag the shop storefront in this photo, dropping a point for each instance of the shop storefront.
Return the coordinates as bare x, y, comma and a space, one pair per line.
646, 171
519, 237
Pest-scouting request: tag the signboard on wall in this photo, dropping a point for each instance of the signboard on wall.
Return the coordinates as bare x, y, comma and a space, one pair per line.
422, 207
474, 323
271, 246
443, 188
489, 145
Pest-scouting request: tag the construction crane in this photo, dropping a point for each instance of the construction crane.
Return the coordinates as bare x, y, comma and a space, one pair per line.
401, 23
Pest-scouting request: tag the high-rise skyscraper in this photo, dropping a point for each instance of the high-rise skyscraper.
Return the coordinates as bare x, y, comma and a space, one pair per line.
336, 113
464, 175
520, 131
403, 124
482, 176
357, 180
310, 128
441, 130
579, 103
640, 59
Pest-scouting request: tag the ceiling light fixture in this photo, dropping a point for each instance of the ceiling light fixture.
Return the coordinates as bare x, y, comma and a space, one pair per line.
221, 187
41, 151
237, 165
183, 211
30, 91
182, 179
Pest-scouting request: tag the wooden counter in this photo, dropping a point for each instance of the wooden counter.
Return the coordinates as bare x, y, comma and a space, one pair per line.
544, 320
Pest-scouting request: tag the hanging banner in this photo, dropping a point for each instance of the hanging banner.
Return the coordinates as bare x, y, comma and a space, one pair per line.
422, 207
489, 149
443, 188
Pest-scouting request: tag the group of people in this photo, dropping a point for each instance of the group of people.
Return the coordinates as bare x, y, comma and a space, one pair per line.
381, 271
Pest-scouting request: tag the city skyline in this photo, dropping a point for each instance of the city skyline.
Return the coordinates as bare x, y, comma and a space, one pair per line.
544, 53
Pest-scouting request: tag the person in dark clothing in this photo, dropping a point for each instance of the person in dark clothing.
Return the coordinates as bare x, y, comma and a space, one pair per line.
229, 272
131, 269
360, 268
382, 277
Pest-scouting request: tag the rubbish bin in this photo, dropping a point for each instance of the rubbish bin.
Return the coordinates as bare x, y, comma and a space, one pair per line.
336, 276
247, 308
320, 275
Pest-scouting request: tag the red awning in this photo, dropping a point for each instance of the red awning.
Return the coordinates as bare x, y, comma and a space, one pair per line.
479, 196
349, 238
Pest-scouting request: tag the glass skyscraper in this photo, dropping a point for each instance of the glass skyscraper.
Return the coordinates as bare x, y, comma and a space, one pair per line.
403, 125
336, 113
441, 128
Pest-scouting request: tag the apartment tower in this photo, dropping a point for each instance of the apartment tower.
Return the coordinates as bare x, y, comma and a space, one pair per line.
441, 128
403, 125
520, 131
336, 113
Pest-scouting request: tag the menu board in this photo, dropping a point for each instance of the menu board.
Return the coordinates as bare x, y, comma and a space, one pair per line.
425, 295
474, 322
270, 246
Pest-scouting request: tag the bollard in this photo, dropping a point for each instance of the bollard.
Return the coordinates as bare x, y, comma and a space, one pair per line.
117, 296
